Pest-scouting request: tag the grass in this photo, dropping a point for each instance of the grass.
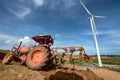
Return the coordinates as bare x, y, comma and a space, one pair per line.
109, 60
78, 62
4, 51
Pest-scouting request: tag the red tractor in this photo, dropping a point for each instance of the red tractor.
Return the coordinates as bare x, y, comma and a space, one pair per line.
35, 57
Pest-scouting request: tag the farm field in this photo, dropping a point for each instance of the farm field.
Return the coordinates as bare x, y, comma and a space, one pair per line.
18, 72
15, 71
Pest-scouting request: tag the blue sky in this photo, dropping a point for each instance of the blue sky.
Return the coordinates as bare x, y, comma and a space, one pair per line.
65, 20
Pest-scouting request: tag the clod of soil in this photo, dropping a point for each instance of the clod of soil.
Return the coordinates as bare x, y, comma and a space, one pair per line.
71, 74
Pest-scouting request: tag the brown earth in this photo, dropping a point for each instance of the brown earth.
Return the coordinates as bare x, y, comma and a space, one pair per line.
71, 74
15, 71
107, 74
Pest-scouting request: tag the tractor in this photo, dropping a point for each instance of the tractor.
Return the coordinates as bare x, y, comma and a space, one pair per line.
35, 57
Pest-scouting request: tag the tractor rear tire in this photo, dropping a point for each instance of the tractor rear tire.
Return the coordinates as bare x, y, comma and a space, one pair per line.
37, 58
8, 58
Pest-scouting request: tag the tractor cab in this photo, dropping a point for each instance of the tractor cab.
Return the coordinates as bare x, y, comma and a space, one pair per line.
43, 40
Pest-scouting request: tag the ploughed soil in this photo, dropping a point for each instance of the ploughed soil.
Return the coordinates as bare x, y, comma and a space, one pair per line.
71, 74
16, 71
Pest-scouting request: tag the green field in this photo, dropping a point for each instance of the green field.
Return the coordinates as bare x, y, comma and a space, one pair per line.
115, 60
4, 51
109, 61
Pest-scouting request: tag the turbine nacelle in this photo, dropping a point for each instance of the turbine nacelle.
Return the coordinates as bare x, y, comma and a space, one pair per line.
92, 16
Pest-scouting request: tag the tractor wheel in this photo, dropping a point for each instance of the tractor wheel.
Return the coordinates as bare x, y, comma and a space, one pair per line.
8, 58
37, 58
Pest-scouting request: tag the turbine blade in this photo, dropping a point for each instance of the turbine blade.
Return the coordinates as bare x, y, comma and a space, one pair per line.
100, 16
85, 7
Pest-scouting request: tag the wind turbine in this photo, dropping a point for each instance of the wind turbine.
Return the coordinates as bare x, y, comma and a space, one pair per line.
94, 31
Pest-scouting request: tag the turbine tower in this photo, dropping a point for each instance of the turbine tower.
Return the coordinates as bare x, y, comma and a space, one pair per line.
94, 31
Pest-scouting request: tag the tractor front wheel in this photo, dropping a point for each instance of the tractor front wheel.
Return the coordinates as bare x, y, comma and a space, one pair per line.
37, 58
8, 58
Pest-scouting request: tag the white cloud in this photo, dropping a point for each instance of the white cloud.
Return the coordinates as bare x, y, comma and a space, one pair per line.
69, 3
112, 33
8, 41
115, 33
23, 12
7, 38
26, 39
19, 10
38, 2
116, 42
58, 35
110, 36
